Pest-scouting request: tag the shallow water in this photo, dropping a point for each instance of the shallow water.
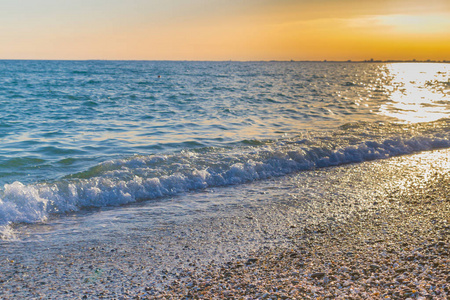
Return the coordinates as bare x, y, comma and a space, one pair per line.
87, 135
115, 251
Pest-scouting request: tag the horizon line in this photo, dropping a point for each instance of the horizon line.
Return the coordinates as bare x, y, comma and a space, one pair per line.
233, 60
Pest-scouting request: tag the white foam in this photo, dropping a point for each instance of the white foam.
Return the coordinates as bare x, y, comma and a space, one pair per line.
147, 177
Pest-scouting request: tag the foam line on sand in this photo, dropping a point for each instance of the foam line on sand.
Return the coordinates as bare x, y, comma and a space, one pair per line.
375, 230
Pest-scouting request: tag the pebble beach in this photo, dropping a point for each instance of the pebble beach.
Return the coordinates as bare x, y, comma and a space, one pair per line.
397, 251
379, 230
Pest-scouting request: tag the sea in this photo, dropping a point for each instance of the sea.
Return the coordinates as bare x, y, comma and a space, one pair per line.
87, 136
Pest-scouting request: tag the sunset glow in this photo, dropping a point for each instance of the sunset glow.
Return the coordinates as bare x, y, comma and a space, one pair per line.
223, 30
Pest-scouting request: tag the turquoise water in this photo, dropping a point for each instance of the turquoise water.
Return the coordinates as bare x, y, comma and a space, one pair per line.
81, 134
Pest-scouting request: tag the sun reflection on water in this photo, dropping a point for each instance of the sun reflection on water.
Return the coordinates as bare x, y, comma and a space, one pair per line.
419, 92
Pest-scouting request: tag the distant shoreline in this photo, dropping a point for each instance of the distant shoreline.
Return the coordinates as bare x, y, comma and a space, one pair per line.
243, 61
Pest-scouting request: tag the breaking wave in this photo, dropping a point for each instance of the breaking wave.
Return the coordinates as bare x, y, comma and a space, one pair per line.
140, 178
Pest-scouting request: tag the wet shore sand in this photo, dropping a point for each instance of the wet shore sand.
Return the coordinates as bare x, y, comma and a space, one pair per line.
377, 230
397, 249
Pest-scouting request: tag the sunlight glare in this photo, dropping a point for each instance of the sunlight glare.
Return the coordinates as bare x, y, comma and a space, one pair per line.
420, 92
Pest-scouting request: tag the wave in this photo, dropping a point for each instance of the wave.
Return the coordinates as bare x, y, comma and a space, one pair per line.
140, 178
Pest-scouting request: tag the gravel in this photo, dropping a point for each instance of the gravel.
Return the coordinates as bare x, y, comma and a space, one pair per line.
377, 230
398, 250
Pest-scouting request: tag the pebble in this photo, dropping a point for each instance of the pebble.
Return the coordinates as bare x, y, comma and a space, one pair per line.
318, 275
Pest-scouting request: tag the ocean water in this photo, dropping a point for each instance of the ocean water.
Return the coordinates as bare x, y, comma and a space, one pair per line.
83, 135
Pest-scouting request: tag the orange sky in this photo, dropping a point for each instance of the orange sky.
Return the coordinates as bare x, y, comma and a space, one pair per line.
224, 30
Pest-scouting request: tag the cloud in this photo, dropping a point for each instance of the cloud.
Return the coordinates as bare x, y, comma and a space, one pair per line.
417, 24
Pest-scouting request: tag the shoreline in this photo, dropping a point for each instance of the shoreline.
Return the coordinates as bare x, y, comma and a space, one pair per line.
400, 250
348, 231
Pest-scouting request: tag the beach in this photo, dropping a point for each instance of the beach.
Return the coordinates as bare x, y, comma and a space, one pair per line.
213, 180
225, 150
397, 249
378, 229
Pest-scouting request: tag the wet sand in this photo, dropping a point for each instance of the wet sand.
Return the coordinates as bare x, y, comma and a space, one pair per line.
400, 249
374, 230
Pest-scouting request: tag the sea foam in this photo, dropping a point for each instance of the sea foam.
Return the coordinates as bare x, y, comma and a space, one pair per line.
140, 178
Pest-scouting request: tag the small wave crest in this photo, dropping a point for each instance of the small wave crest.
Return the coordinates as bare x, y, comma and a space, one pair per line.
139, 178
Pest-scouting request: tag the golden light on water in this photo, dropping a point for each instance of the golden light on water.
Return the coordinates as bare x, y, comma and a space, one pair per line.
419, 92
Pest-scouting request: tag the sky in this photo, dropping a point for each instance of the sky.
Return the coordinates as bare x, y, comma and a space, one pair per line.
225, 29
